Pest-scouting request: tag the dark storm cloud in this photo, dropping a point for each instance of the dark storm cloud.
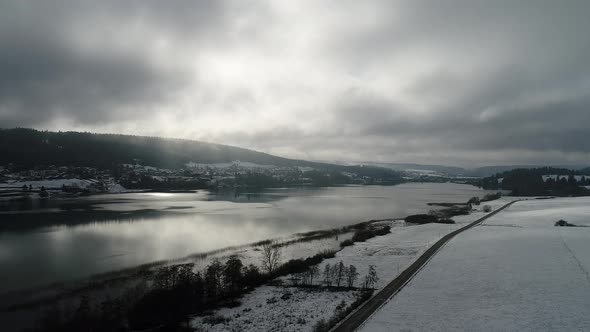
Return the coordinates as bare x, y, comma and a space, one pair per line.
460, 81
62, 59
39, 82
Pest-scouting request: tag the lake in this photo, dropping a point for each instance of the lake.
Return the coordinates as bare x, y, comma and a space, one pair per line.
62, 240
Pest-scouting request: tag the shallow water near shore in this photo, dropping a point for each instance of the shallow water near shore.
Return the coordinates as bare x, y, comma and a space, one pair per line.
76, 238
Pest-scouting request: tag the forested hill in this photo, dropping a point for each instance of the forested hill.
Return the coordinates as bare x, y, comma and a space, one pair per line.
29, 147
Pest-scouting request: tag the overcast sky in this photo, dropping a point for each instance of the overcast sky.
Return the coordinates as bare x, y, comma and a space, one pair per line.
463, 83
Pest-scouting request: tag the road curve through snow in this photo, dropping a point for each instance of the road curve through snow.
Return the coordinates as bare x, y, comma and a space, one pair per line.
353, 321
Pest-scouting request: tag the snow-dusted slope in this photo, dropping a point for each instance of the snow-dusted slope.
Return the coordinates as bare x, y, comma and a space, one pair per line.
516, 272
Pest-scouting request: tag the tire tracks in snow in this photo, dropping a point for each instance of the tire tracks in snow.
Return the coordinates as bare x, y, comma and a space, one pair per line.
573, 255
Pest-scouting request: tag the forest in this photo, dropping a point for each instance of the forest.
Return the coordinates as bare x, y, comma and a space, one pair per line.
530, 182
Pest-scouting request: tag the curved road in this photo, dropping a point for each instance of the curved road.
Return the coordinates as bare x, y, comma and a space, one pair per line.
358, 317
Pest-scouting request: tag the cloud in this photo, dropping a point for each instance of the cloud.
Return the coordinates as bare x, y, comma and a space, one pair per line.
460, 82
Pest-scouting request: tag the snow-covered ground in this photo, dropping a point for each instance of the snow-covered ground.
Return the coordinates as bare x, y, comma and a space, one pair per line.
390, 254
516, 272
394, 252
266, 310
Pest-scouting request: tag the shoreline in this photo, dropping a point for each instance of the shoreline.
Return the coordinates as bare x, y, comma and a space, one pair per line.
112, 283
71, 288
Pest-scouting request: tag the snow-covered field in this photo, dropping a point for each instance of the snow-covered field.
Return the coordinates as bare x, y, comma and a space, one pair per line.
390, 254
516, 272
394, 252
266, 310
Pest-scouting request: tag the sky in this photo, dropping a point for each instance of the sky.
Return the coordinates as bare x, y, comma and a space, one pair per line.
456, 82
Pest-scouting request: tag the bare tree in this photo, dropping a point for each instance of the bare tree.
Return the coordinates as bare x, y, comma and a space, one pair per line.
328, 275
371, 278
271, 256
313, 272
232, 274
351, 276
339, 273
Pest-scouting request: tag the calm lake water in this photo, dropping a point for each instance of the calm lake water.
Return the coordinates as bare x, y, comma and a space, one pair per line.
67, 239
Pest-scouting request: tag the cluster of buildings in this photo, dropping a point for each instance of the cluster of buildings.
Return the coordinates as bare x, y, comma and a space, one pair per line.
71, 179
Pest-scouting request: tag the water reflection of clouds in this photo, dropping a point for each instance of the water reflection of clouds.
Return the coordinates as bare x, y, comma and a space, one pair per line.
160, 194
178, 225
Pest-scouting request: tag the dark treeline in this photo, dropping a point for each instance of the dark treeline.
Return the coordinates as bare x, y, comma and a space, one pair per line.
529, 182
165, 301
165, 298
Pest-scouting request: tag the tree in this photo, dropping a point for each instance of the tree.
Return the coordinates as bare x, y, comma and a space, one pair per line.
271, 256
339, 273
328, 275
571, 180
252, 276
82, 316
299, 277
232, 274
351, 276
213, 275
313, 272
371, 278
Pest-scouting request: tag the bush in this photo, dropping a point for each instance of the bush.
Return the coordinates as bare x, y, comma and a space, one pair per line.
301, 265
346, 243
563, 223
216, 319
383, 230
361, 235
155, 308
474, 200
421, 219
364, 234
487, 208
321, 326
491, 197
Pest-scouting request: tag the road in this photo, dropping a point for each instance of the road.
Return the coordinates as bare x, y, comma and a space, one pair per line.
358, 317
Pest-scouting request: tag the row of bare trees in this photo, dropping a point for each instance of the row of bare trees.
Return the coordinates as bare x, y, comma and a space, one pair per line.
337, 275
340, 275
